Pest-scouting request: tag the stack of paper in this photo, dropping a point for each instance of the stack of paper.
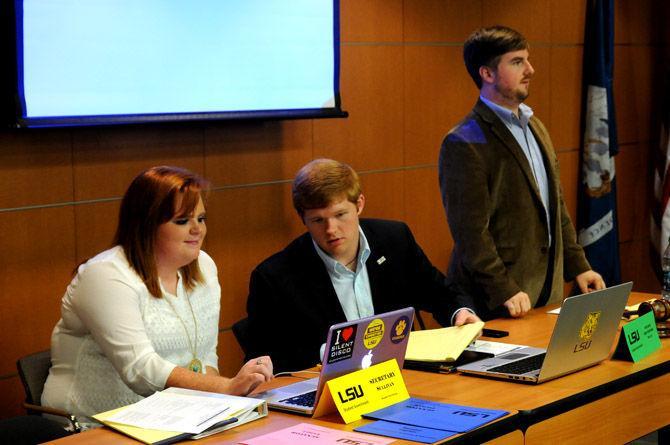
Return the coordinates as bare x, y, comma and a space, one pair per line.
177, 414
441, 345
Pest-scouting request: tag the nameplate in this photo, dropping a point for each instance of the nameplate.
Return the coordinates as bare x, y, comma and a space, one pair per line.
367, 390
638, 339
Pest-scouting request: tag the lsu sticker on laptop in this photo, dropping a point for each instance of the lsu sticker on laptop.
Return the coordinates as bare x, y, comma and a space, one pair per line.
399, 330
586, 332
373, 333
342, 344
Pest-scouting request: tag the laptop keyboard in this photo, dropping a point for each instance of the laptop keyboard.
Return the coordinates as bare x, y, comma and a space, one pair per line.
522, 366
307, 399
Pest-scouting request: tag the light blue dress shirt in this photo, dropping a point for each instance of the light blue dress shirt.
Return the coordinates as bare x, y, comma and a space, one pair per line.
518, 126
352, 288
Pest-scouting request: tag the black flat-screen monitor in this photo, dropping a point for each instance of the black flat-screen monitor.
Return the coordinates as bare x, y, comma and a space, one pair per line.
98, 62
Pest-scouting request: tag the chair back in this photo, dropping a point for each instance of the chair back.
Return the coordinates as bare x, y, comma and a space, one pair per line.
33, 371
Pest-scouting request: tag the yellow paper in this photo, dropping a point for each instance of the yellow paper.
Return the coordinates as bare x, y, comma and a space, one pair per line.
141, 434
441, 345
367, 390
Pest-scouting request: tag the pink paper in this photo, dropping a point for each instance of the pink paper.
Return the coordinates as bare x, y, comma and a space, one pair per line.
304, 433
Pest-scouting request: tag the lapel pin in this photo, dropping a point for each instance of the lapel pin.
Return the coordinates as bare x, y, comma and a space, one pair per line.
381, 259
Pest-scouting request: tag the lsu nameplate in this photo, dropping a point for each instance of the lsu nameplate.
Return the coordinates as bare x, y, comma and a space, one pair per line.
367, 390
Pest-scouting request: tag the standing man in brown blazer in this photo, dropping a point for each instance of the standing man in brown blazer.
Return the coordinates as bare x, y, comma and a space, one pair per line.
514, 243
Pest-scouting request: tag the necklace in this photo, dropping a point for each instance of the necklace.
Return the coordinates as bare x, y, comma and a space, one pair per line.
194, 365
353, 269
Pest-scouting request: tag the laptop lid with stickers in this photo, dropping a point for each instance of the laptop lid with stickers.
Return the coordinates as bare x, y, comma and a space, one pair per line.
350, 346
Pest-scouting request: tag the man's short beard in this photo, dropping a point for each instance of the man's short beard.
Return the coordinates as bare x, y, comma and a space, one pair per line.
516, 96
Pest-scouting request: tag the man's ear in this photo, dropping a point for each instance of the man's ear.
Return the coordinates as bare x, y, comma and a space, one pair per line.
487, 74
360, 203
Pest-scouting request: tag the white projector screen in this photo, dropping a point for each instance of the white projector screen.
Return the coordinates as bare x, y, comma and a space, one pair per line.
114, 61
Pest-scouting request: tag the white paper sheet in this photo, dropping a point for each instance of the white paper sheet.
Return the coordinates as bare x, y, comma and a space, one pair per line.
180, 412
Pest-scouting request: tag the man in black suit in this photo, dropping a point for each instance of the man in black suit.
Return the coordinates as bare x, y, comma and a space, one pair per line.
342, 269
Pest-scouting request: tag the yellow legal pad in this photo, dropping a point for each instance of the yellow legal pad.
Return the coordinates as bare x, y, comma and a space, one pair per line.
441, 345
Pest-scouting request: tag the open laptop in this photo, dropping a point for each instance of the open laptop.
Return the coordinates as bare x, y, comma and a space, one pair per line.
350, 346
582, 337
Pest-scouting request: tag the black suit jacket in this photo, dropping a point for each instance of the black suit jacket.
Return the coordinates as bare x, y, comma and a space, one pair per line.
292, 302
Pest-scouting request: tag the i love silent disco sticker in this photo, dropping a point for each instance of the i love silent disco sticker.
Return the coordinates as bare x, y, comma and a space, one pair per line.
342, 344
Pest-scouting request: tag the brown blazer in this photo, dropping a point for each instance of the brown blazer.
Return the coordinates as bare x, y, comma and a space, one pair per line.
496, 215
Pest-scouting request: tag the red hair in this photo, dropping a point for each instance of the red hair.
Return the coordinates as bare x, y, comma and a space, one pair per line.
149, 202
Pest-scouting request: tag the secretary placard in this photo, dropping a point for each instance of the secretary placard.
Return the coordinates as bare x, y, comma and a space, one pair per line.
367, 390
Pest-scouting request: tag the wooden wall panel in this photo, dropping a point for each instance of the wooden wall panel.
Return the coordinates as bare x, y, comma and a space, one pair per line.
95, 226
384, 193
569, 164
425, 215
627, 163
624, 95
634, 83
107, 159
647, 80
245, 226
440, 21
12, 397
438, 94
36, 263
35, 168
633, 21
403, 83
371, 20
372, 92
636, 266
541, 85
230, 354
642, 190
565, 97
567, 21
243, 153
531, 18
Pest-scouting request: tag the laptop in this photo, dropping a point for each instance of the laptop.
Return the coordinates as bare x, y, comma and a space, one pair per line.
350, 346
582, 337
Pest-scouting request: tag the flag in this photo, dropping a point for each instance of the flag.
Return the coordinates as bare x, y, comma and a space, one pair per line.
660, 213
596, 213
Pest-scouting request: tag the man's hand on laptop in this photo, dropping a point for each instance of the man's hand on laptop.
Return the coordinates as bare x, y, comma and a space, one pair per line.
589, 281
518, 304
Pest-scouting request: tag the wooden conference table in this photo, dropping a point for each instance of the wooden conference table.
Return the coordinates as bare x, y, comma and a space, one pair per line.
614, 402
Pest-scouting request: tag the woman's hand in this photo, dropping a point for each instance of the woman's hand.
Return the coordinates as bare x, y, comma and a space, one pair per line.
253, 373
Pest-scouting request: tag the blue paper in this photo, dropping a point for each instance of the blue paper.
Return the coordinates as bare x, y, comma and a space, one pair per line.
436, 415
402, 431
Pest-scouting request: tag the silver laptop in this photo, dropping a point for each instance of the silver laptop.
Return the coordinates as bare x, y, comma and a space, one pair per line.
582, 337
350, 346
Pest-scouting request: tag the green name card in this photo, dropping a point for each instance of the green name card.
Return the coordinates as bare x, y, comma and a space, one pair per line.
638, 339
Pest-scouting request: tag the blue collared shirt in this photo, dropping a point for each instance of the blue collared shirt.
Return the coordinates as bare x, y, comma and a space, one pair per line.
518, 126
352, 288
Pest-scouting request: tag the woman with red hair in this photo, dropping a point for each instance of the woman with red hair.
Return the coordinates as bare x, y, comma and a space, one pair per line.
143, 315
